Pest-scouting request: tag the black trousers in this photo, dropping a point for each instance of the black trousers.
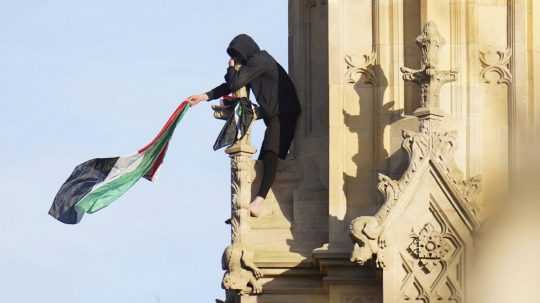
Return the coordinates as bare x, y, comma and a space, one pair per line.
276, 143
279, 134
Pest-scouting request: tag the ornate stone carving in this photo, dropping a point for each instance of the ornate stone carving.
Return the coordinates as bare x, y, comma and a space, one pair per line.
470, 189
496, 62
433, 261
429, 77
428, 246
355, 71
388, 187
417, 147
430, 144
437, 147
241, 179
241, 274
366, 233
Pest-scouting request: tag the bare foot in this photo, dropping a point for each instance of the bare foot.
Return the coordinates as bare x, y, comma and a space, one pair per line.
256, 206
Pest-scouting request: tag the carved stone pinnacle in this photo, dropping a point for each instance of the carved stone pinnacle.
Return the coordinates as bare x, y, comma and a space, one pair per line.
429, 77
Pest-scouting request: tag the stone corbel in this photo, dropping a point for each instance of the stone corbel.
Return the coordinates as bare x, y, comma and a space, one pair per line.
355, 71
367, 235
496, 62
241, 275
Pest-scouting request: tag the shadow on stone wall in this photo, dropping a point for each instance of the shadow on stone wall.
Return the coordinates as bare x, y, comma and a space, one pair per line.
372, 156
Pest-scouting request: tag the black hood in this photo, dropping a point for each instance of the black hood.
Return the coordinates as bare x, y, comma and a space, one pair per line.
242, 47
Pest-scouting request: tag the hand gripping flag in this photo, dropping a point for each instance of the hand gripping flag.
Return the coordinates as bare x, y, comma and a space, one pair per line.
96, 183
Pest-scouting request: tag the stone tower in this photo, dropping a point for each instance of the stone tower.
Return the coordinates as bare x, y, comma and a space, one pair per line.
414, 117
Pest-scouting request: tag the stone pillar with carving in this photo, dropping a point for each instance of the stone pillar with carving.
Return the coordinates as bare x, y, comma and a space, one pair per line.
241, 153
241, 274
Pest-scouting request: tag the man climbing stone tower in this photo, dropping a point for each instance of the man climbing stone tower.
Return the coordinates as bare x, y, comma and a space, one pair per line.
276, 95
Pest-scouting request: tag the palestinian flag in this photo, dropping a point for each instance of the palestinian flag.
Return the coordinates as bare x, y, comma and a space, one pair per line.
96, 183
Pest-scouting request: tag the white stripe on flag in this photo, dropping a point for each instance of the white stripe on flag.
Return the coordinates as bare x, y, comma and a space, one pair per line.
122, 166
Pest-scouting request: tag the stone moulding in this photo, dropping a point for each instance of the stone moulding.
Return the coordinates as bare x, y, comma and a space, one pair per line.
497, 65
355, 71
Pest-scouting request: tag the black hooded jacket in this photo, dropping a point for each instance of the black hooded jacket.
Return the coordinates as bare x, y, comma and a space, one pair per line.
269, 82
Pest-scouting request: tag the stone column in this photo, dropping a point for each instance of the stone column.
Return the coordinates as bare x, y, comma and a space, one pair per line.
241, 277
240, 154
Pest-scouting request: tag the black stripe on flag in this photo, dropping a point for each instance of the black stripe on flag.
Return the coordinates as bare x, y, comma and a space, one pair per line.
82, 180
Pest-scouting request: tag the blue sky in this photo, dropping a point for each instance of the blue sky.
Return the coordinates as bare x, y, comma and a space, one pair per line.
85, 79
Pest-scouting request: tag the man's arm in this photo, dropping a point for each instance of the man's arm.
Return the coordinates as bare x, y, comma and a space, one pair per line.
218, 92
235, 79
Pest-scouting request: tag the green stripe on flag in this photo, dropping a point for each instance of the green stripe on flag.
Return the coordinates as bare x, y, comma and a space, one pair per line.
104, 195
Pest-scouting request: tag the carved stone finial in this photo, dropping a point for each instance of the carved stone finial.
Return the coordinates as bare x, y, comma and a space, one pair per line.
430, 42
429, 77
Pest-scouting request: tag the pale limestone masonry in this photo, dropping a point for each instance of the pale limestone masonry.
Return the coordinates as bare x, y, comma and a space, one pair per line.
415, 117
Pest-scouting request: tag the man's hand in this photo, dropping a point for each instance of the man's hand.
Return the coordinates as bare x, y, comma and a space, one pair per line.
196, 99
231, 62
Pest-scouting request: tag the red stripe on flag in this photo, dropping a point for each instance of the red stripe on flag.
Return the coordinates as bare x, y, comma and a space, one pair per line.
171, 120
157, 163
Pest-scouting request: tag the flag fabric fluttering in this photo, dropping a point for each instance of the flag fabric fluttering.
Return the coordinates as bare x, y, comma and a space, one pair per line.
96, 183
241, 114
